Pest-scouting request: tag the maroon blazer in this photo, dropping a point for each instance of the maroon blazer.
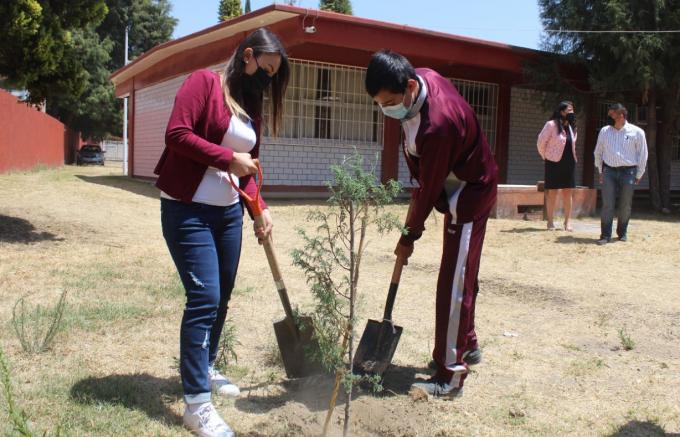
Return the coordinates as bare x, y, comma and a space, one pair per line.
197, 124
449, 139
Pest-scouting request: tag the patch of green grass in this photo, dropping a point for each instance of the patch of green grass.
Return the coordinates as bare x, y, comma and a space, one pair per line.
94, 315
112, 405
169, 289
243, 291
92, 278
235, 371
227, 349
36, 327
626, 341
581, 368
571, 347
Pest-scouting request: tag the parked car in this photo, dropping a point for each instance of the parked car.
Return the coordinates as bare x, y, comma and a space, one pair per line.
90, 154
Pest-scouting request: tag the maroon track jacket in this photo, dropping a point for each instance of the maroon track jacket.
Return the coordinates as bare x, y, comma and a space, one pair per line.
197, 124
449, 139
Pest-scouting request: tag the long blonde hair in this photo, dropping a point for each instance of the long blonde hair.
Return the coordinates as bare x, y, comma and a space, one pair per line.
247, 103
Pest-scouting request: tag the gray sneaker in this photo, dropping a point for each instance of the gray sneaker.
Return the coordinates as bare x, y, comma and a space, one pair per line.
602, 241
206, 422
471, 358
436, 389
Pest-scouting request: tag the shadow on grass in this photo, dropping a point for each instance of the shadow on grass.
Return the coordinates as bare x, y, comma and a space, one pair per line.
315, 392
18, 230
135, 186
142, 392
568, 239
635, 428
523, 230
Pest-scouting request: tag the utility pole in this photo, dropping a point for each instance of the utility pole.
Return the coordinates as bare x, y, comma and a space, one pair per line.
125, 113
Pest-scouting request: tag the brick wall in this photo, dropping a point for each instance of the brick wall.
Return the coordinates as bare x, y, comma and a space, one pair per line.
309, 164
289, 163
527, 118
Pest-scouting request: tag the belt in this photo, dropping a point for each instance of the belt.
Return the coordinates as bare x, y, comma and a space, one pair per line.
624, 167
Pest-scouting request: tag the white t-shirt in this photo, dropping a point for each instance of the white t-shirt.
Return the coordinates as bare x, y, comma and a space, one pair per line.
215, 188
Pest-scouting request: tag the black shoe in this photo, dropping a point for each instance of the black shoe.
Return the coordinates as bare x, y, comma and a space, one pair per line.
602, 241
437, 389
471, 358
623, 238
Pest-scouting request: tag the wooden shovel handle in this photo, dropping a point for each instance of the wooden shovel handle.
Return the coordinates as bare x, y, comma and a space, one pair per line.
276, 272
254, 203
394, 285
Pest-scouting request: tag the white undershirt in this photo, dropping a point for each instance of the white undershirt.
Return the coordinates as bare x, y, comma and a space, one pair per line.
215, 188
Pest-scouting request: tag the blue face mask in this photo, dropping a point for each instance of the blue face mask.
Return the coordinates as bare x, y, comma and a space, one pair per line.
398, 111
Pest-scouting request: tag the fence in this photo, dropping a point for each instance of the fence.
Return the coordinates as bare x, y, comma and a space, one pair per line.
114, 150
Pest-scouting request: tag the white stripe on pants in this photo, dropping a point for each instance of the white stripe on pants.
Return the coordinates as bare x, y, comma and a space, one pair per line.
456, 301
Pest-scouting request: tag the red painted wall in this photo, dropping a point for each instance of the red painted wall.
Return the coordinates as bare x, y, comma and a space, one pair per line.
29, 137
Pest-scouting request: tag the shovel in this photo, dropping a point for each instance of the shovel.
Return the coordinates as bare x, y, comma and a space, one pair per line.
380, 339
295, 340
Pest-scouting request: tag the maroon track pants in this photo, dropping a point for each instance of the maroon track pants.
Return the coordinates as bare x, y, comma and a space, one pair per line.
456, 294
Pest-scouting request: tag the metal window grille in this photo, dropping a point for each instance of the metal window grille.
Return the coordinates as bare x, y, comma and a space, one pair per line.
327, 104
675, 149
483, 97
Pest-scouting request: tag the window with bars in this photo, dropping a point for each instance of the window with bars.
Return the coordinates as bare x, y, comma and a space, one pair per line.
327, 103
483, 97
675, 149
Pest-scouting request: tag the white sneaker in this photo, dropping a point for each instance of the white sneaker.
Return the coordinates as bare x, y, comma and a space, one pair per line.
206, 422
220, 384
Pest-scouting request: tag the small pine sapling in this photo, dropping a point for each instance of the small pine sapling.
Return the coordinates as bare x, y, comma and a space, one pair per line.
331, 260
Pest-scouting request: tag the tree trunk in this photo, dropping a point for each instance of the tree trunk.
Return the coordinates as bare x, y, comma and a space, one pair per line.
652, 161
353, 270
669, 118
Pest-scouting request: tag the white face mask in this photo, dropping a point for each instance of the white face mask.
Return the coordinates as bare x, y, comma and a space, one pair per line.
398, 111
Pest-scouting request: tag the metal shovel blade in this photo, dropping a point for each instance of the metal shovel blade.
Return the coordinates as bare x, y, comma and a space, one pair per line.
376, 348
297, 347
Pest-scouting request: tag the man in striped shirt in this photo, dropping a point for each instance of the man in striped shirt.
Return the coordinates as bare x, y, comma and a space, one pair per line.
620, 157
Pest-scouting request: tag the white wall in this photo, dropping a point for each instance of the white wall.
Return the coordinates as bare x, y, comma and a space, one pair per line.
153, 106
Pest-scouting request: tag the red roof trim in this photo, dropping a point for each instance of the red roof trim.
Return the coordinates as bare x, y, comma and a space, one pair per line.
331, 16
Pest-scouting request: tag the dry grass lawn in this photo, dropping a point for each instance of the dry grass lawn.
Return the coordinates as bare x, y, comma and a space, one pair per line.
554, 314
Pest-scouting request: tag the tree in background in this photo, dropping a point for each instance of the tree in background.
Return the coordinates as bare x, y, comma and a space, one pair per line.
229, 9
627, 65
247, 7
39, 46
149, 21
63, 52
341, 6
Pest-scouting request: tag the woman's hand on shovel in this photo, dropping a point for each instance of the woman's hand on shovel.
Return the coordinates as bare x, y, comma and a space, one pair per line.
262, 233
242, 164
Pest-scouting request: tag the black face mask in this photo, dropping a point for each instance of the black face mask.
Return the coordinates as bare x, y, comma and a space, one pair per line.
611, 121
571, 118
258, 81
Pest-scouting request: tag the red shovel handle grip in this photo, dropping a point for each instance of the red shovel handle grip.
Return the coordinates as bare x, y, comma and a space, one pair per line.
253, 202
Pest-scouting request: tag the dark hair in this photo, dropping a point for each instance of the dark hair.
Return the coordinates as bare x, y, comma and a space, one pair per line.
262, 41
389, 71
557, 115
619, 107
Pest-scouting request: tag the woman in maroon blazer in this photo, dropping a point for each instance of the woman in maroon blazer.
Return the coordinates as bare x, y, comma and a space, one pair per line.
214, 135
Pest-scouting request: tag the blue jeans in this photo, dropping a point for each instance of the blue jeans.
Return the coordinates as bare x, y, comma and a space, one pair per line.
618, 181
205, 244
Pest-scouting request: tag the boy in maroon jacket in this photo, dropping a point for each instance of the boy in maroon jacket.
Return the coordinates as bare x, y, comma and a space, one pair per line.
448, 155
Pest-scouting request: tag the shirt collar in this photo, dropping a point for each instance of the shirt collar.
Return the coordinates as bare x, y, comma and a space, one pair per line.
420, 99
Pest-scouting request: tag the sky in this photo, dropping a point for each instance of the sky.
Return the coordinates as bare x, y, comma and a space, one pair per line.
514, 22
